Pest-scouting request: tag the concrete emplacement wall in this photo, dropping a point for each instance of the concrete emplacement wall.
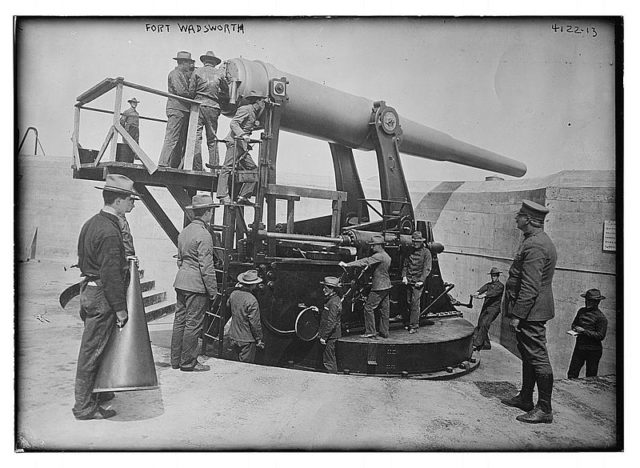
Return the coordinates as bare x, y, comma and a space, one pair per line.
474, 220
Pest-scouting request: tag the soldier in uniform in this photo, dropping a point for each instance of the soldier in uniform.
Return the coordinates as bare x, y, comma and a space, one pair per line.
103, 302
130, 120
245, 331
241, 127
491, 292
207, 85
528, 306
415, 270
195, 284
177, 113
330, 329
591, 327
380, 288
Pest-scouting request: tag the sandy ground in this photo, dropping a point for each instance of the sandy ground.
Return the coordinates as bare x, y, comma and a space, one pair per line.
241, 406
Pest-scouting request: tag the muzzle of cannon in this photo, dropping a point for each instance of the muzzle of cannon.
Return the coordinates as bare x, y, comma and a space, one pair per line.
328, 114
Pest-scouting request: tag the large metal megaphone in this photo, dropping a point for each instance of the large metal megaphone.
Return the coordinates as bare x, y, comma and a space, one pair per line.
128, 360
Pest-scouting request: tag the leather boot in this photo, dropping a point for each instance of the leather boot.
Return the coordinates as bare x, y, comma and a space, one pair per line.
545, 387
536, 416
519, 401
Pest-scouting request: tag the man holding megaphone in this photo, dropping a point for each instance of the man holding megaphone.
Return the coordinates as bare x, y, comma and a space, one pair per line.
103, 302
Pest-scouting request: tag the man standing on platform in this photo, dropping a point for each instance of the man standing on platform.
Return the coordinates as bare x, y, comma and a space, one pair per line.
207, 85
245, 331
103, 302
380, 288
196, 285
330, 328
528, 306
130, 120
492, 294
415, 270
241, 126
175, 136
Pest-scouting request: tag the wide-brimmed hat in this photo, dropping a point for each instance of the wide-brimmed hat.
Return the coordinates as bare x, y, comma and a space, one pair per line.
593, 295
209, 56
494, 271
534, 211
375, 240
417, 237
249, 277
183, 55
254, 95
200, 201
133, 100
332, 282
120, 184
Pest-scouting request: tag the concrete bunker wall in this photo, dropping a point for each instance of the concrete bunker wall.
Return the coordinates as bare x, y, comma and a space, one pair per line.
475, 222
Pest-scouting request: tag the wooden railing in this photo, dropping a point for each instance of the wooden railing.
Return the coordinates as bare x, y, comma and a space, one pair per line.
116, 129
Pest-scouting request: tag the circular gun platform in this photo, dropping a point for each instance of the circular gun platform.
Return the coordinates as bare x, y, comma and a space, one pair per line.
441, 350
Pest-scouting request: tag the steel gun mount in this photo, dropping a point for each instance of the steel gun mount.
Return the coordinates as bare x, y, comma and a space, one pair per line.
293, 258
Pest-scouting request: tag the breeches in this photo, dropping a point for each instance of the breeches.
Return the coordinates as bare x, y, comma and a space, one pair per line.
532, 344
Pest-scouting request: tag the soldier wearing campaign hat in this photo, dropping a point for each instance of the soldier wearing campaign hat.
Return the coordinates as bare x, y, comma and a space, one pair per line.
130, 120
380, 288
102, 263
195, 284
208, 86
330, 329
590, 325
529, 305
245, 331
491, 292
175, 136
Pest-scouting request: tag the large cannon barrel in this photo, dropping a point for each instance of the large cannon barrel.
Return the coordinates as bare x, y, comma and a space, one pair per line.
325, 113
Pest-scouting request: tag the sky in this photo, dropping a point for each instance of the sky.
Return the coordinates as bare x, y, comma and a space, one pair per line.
520, 87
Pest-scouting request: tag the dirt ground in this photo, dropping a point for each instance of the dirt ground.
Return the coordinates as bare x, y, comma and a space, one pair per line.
239, 406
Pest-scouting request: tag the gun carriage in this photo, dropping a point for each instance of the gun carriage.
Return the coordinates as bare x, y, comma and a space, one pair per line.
292, 257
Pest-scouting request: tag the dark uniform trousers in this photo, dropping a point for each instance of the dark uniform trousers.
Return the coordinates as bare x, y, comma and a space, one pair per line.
536, 367
207, 119
375, 300
414, 294
175, 140
481, 333
329, 356
579, 357
243, 352
99, 322
134, 131
244, 163
187, 327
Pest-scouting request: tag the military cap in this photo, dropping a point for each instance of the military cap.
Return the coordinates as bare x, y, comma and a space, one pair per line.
249, 277
417, 237
200, 201
331, 281
184, 55
120, 184
533, 210
377, 239
593, 294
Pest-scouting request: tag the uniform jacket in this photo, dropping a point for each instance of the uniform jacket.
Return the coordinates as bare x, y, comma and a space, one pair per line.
529, 292
101, 256
330, 319
493, 295
245, 312
243, 122
130, 118
595, 328
380, 262
207, 84
127, 238
178, 84
196, 271
417, 266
